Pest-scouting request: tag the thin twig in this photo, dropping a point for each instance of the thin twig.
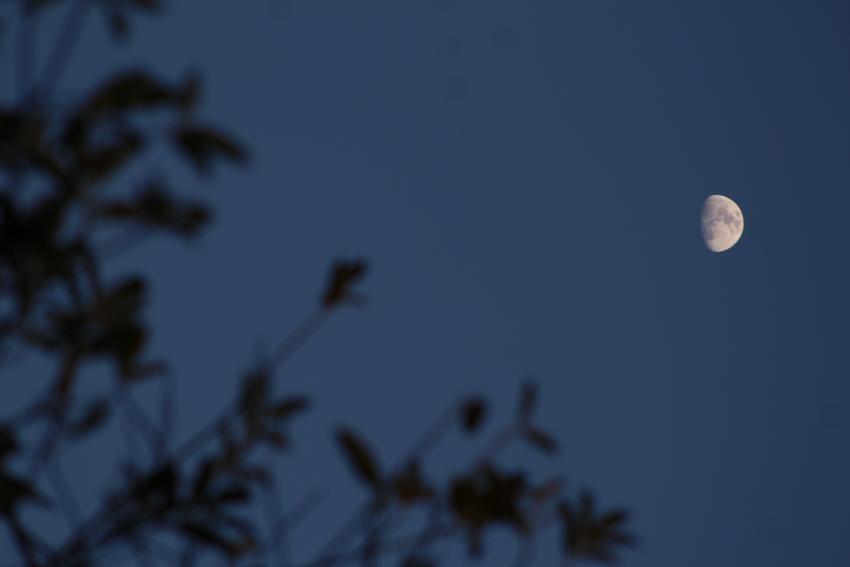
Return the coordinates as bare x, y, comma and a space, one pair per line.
25, 39
498, 443
289, 521
396, 545
60, 54
433, 523
282, 354
304, 508
131, 442
431, 437
297, 338
21, 541
345, 532
124, 243
67, 499
525, 554
423, 445
141, 553
271, 508
168, 413
44, 450
137, 416
280, 541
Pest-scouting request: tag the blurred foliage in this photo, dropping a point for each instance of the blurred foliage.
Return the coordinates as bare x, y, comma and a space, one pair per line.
68, 204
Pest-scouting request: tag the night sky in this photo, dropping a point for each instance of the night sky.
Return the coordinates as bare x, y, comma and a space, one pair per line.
526, 180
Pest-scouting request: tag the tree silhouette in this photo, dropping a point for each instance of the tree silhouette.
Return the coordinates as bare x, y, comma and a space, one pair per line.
65, 212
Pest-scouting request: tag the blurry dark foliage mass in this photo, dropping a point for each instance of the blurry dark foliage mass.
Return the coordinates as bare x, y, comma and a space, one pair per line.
67, 207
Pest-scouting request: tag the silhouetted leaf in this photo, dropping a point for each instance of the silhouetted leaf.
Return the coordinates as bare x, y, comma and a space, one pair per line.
205, 533
417, 561
202, 145
154, 207
113, 330
35, 5
590, 536
203, 477
189, 92
123, 343
8, 443
92, 418
146, 5
253, 396
117, 14
52, 278
488, 497
547, 490
614, 518
123, 300
472, 414
290, 406
233, 493
119, 25
360, 458
541, 440
13, 491
343, 276
141, 370
158, 488
21, 130
134, 89
278, 439
100, 164
409, 485
528, 401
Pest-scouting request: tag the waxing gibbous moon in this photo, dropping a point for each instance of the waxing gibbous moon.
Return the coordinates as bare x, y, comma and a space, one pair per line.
722, 223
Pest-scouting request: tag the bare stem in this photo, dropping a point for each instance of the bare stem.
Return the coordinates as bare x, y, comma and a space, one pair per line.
67, 499
60, 54
396, 545
24, 48
282, 354
498, 443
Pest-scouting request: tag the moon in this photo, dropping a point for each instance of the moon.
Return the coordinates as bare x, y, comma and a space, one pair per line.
722, 223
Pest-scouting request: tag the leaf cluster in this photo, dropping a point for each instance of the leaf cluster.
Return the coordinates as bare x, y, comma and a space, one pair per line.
77, 189
485, 496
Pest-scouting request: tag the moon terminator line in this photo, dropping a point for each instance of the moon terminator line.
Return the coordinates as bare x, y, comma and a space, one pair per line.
722, 223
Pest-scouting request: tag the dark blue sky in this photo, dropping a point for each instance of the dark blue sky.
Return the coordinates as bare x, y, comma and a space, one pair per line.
526, 179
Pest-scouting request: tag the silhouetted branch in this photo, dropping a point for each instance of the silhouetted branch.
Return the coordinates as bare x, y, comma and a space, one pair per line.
287, 348
423, 445
66, 306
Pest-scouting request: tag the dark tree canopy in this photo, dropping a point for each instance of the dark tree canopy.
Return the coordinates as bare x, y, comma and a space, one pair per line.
66, 211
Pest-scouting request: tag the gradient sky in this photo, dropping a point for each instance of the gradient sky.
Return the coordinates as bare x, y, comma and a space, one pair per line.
526, 179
